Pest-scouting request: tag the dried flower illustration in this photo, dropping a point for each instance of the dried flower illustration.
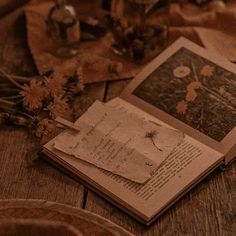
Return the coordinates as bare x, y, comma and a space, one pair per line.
151, 135
191, 91
207, 70
182, 107
33, 95
58, 107
181, 71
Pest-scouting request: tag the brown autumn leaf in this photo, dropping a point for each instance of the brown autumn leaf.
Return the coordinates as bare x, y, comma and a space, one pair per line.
43, 48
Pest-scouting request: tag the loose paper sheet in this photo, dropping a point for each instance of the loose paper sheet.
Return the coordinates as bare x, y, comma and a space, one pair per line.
119, 141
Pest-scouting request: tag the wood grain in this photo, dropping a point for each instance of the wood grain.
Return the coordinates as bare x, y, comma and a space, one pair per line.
23, 175
209, 209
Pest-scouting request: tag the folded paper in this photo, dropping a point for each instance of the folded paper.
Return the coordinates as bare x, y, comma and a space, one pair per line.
119, 141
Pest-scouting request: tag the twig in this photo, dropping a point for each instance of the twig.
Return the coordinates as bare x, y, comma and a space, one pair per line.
9, 78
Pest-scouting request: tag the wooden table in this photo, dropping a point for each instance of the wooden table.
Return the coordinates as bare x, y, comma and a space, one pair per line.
209, 209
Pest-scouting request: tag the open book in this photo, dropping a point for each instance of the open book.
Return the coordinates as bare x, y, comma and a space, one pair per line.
187, 96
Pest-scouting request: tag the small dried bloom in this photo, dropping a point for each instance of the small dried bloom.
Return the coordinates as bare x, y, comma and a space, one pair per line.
33, 95
151, 134
55, 84
43, 128
58, 107
77, 88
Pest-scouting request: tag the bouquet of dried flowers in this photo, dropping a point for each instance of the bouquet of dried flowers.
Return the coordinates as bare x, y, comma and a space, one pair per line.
36, 102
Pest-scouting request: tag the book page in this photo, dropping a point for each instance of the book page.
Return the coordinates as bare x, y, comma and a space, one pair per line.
182, 168
191, 89
215, 41
120, 141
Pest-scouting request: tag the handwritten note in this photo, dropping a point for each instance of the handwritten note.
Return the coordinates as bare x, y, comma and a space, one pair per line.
114, 139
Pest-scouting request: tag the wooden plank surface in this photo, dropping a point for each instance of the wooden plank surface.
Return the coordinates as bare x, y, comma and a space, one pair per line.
23, 175
209, 209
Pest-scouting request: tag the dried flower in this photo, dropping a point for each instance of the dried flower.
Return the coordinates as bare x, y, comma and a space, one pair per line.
181, 71
43, 128
33, 95
77, 88
58, 107
55, 83
207, 70
152, 134
182, 107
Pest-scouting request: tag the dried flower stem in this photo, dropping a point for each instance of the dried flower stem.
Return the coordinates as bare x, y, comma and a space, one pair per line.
18, 78
21, 79
11, 97
7, 105
10, 79
156, 145
151, 135
26, 114
8, 92
6, 102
